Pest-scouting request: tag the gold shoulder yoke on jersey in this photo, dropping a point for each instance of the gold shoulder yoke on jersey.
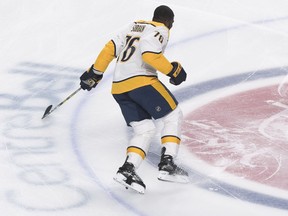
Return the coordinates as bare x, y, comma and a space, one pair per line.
153, 23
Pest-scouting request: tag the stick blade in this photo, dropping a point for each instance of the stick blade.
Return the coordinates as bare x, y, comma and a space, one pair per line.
47, 111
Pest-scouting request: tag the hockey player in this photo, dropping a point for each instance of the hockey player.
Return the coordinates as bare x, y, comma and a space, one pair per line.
141, 96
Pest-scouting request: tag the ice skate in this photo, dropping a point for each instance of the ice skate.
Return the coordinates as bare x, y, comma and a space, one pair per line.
127, 176
169, 171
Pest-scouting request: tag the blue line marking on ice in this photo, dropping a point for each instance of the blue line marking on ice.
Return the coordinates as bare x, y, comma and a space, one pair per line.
185, 94
204, 87
246, 195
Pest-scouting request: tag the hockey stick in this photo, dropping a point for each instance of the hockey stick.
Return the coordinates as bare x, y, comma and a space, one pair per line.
49, 108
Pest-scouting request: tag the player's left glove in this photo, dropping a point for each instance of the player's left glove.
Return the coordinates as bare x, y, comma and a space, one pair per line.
177, 74
90, 79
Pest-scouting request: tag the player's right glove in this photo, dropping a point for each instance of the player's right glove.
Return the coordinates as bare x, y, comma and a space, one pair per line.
177, 74
90, 79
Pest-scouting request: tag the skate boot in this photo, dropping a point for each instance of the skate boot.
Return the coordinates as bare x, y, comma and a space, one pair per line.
127, 176
169, 171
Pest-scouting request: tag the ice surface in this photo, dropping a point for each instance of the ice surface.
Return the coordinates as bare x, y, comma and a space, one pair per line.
234, 142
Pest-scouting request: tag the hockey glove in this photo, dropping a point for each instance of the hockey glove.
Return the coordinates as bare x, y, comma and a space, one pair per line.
177, 74
90, 79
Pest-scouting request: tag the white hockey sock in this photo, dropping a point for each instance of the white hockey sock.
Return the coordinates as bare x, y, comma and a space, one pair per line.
140, 142
171, 148
135, 159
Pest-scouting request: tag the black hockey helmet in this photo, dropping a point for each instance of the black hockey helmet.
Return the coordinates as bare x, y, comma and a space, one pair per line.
164, 14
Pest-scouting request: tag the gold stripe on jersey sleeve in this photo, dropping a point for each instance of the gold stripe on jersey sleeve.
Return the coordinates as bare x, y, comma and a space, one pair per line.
132, 83
105, 57
157, 61
162, 90
173, 139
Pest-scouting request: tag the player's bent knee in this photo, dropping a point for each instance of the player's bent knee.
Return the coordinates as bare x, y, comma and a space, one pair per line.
140, 142
144, 127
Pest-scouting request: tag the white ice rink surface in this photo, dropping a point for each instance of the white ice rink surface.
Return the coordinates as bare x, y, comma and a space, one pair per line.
64, 165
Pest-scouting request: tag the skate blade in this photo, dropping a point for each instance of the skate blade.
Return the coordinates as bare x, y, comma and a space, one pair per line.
135, 187
164, 176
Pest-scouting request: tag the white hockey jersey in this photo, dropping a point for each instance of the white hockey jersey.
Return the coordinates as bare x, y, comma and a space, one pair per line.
139, 50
